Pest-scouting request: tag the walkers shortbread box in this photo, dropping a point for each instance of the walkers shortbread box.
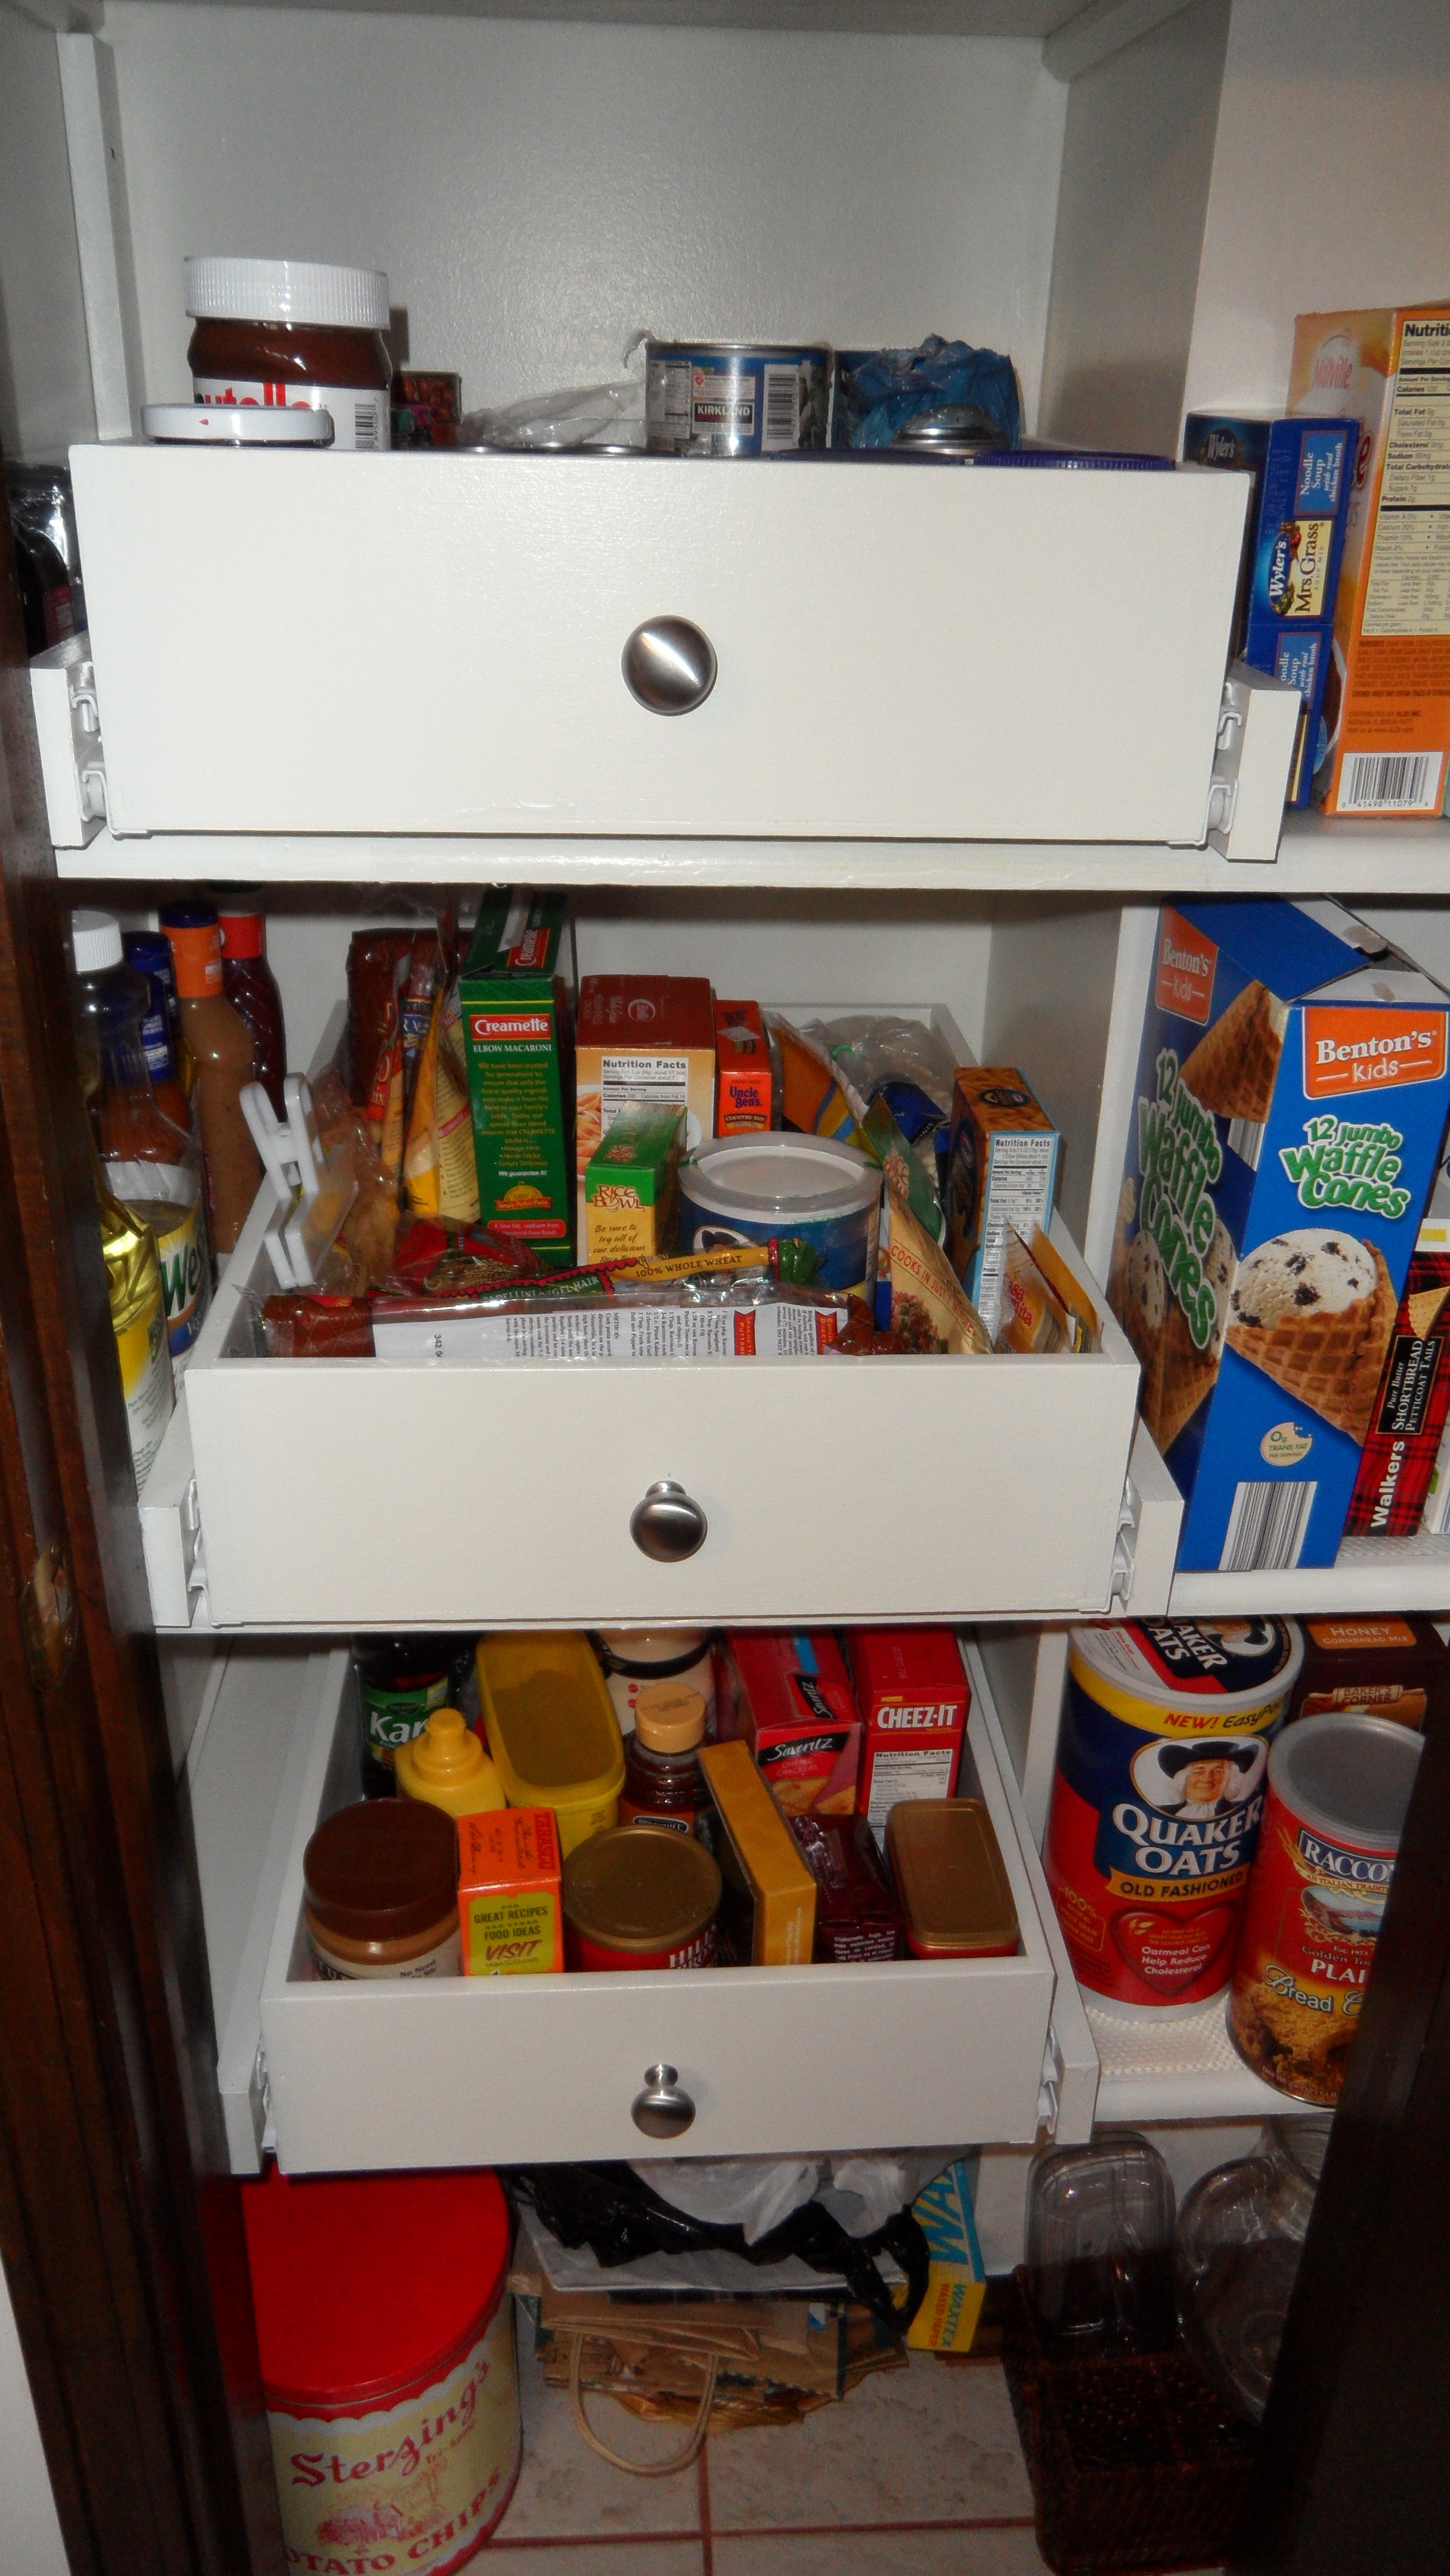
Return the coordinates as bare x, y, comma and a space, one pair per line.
1291, 1096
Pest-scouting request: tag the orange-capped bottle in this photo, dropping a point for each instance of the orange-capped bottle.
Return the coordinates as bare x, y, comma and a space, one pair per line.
222, 1050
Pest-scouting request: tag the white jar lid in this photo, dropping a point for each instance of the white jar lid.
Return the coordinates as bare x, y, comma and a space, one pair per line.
286, 290
235, 425
96, 939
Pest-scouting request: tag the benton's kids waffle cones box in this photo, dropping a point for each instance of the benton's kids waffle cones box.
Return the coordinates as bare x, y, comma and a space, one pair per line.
1291, 1096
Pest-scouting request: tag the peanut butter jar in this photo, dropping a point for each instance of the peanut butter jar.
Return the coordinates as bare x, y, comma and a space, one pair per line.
380, 1888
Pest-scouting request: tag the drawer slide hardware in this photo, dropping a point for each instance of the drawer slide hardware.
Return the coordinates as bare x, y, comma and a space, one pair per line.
664, 2109
669, 666
668, 1524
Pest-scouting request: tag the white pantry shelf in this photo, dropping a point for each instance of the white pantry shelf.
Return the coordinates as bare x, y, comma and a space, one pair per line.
1318, 855
1368, 1574
1154, 2072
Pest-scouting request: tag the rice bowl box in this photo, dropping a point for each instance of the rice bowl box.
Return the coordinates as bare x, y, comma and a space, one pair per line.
816, 1201
1291, 1095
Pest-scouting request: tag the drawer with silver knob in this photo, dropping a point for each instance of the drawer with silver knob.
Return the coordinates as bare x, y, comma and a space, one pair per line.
843, 650
713, 2061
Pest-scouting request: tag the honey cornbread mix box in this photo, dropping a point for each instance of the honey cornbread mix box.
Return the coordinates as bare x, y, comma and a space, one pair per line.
1290, 1099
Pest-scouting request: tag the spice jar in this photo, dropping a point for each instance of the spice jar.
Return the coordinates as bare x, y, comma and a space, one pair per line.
293, 333
447, 1766
663, 1782
221, 1049
638, 1897
380, 1884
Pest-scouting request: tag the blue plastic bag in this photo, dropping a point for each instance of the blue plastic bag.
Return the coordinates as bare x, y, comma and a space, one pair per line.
885, 388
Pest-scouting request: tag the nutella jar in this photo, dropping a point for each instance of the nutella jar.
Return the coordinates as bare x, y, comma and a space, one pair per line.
293, 334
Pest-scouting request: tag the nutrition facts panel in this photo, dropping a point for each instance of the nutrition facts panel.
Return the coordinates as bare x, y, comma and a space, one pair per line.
1409, 582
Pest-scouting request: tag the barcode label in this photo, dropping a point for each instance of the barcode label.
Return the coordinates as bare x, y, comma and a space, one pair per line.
782, 408
365, 423
1408, 780
1246, 1139
1266, 1527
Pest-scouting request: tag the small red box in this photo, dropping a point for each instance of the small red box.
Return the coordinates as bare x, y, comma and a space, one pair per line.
913, 1694
788, 1698
743, 1087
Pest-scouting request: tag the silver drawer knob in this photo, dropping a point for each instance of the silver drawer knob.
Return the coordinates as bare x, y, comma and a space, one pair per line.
664, 2108
669, 666
668, 1525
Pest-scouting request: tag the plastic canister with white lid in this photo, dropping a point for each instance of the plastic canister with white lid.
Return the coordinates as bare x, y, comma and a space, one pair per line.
279, 334
632, 1658
778, 1187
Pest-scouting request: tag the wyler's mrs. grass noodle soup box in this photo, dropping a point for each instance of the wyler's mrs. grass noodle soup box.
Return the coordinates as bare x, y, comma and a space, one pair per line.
509, 1904
913, 1694
517, 996
1387, 702
1290, 1099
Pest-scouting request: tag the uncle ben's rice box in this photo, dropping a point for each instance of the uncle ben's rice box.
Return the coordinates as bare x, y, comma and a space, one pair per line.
1290, 1100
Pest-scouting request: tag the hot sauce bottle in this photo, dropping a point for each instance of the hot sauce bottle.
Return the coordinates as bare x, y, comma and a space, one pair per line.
251, 988
222, 1049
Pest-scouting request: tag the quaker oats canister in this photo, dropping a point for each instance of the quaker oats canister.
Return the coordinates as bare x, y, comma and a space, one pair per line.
391, 2391
1157, 1801
1339, 1786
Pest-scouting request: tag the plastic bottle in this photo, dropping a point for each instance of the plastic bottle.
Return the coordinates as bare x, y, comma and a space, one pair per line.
168, 1061
151, 1164
447, 1767
221, 1045
663, 1782
138, 1320
251, 988
401, 1681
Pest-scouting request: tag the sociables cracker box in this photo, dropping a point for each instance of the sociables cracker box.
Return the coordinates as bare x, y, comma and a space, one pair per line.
517, 997
1290, 1099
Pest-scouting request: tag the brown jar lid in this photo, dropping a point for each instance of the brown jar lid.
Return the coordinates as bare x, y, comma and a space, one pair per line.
382, 1869
955, 1890
640, 1887
669, 1717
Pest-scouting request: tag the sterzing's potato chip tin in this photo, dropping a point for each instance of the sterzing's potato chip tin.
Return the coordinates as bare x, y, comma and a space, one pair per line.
725, 398
1157, 1801
1339, 1786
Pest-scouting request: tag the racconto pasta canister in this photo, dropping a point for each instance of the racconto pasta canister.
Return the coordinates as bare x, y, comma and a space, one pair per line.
1157, 1801
391, 2391
1339, 1786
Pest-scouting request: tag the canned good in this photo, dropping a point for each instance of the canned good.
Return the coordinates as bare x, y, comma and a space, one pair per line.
1157, 1801
725, 398
1339, 1786
640, 1896
954, 1887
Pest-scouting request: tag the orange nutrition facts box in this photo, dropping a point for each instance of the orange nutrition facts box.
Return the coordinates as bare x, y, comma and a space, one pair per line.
509, 1903
1387, 701
743, 1083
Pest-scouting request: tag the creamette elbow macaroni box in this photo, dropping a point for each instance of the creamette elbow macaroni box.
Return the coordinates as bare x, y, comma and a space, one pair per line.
1291, 1096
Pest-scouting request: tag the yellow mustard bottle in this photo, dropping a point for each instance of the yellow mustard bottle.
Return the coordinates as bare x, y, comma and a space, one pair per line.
447, 1767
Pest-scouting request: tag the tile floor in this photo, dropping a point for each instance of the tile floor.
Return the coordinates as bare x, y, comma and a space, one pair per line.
919, 2473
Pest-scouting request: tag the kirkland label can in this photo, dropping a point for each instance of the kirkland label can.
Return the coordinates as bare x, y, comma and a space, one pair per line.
722, 398
1157, 1800
1339, 1786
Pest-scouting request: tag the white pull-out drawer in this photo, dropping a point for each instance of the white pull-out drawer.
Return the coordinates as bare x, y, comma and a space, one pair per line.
483, 2070
453, 1493
432, 644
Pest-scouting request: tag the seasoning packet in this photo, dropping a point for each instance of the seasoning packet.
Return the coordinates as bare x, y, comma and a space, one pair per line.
930, 1310
440, 1174
1043, 1307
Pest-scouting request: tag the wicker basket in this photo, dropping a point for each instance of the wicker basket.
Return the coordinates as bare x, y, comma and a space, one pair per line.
1135, 2463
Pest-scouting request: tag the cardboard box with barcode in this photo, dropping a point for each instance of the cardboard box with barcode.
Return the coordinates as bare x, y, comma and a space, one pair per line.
644, 1042
1386, 722
1391, 1667
1001, 1172
1290, 1100
630, 1187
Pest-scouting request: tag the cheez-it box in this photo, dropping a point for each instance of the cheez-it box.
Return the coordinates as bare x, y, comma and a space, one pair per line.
913, 1694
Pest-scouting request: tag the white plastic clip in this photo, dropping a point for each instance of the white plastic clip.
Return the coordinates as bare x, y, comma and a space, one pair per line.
313, 1192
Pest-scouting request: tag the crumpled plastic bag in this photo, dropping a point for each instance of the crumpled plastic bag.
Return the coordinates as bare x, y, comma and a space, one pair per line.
758, 2193
578, 416
894, 386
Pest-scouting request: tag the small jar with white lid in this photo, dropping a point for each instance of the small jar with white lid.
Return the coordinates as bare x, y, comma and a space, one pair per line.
293, 334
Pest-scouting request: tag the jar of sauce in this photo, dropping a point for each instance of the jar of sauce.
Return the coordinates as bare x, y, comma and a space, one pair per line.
380, 1892
663, 1782
637, 1897
293, 333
